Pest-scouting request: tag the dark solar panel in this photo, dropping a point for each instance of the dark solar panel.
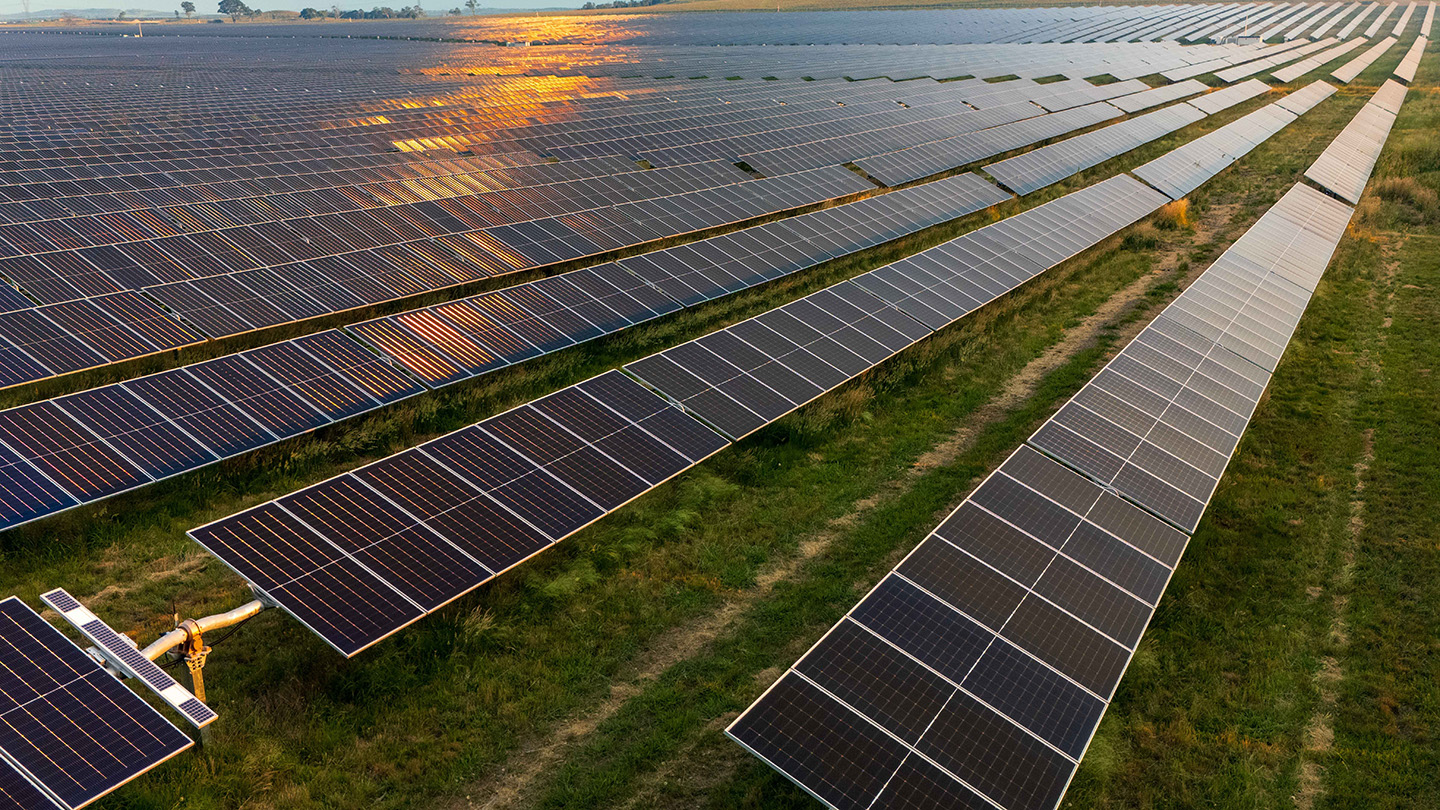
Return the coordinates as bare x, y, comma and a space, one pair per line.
201, 412
327, 390
258, 395
381, 380
68, 723
69, 454
435, 521
155, 444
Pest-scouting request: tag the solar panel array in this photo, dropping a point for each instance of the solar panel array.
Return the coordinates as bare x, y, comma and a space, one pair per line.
90, 445
976, 672
1405, 71
105, 253
1184, 169
360, 556
69, 731
1038, 168
1345, 165
1347, 72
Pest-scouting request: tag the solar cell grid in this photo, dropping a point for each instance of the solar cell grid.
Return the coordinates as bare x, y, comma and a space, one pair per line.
260, 396
408, 534
67, 723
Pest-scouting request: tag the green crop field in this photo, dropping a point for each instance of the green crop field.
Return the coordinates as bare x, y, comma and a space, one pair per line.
1294, 661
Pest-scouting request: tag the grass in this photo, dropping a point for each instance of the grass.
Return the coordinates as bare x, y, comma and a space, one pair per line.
1216, 710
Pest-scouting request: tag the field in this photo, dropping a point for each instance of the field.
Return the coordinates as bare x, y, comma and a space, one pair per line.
1293, 663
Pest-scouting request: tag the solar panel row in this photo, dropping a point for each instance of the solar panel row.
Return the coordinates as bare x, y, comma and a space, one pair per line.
1218, 59
1380, 21
1184, 169
1405, 71
1357, 20
1292, 72
906, 165
976, 672
1225, 98
1347, 72
86, 446
360, 556
748, 375
1251, 68
1404, 18
1146, 99
1345, 165
948, 281
1159, 423
1038, 168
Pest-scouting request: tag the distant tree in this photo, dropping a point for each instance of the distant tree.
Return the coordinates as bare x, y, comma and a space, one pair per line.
235, 9
187, 7
472, 5
120, 16
311, 14
177, 13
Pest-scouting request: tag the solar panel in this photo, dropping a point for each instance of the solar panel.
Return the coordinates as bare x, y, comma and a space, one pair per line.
259, 395
1347, 72
360, 556
201, 412
1405, 71
1038, 168
326, 390
370, 372
66, 452
1182, 170
1228, 97
1345, 165
123, 655
68, 725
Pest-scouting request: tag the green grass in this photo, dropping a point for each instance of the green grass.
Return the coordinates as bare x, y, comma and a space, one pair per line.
1213, 711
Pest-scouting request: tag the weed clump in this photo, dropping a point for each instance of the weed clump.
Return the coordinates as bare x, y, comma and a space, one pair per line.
1142, 237
1173, 216
1406, 190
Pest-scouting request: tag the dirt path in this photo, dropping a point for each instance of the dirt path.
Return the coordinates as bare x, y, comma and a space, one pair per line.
515, 784
1320, 732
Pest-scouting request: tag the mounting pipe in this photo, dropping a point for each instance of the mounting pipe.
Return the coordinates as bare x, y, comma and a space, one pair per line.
186, 638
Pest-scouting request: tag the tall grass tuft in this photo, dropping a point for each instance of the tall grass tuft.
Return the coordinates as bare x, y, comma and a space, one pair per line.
1173, 216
